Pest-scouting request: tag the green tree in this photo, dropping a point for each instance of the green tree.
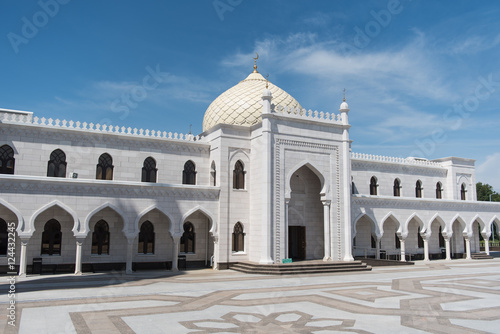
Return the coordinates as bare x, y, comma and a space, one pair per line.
484, 191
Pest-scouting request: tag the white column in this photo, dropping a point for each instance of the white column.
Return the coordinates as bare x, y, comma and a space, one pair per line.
287, 203
467, 249
403, 252
215, 264
78, 260
326, 224
267, 185
447, 245
426, 248
346, 184
130, 254
486, 238
23, 257
377, 249
175, 253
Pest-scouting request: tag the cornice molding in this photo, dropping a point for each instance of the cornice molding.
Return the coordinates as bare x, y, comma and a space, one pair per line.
72, 187
378, 166
422, 203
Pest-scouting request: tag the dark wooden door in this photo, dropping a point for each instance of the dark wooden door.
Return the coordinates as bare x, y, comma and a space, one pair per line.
297, 242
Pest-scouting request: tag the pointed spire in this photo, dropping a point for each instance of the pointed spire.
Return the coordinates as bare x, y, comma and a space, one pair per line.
344, 107
267, 81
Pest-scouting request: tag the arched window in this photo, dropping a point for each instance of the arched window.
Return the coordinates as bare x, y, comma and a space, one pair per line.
6, 160
147, 238
57, 164
397, 187
397, 242
439, 190
213, 174
189, 173
149, 170
238, 238
420, 240
100, 238
238, 175
373, 242
3, 237
463, 191
105, 167
418, 189
188, 238
373, 186
51, 238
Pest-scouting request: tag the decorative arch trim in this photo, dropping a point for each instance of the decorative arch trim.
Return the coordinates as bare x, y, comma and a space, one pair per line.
100, 208
236, 153
419, 221
15, 211
493, 220
213, 225
461, 221
378, 233
145, 212
323, 181
387, 216
481, 223
76, 222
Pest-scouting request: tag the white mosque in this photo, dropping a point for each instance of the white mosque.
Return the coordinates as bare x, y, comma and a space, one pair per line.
266, 181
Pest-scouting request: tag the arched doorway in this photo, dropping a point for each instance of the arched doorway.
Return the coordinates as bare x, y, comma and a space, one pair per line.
365, 241
196, 242
457, 241
414, 241
437, 246
389, 243
305, 216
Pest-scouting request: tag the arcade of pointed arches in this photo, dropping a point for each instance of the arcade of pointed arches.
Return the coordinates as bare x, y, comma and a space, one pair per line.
413, 239
53, 235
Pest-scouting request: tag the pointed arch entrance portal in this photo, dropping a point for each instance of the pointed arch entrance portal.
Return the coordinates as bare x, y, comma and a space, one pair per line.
305, 216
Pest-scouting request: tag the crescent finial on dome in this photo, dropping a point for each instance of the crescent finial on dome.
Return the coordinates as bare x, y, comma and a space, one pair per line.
255, 63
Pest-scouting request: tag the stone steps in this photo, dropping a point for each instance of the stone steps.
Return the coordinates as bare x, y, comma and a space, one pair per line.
481, 256
297, 268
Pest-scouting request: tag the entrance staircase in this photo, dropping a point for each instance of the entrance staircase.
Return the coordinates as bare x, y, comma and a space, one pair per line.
481, 256
300, 267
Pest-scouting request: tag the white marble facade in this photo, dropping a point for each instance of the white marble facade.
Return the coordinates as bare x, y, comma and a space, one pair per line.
299, 192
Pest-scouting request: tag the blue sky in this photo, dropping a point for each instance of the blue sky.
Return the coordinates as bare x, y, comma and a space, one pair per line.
422, 77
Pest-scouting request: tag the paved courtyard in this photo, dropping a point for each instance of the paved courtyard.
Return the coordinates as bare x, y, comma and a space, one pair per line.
435, 297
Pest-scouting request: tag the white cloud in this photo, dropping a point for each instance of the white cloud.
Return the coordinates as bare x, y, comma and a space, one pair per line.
472, 44
489, 171
385, 83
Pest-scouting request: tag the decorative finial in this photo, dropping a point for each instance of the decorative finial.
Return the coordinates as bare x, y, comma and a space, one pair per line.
255, 63
344, 94
267, 81
190, 125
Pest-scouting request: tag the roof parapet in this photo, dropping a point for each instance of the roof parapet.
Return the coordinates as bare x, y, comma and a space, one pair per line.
28, 119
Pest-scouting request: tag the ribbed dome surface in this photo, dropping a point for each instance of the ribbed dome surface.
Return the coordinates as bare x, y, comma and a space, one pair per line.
241, 104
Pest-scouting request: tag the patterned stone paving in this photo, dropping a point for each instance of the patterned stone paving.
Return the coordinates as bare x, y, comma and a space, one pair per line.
437, 297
